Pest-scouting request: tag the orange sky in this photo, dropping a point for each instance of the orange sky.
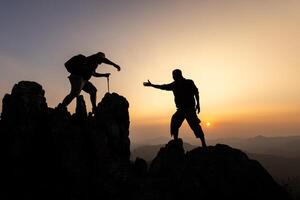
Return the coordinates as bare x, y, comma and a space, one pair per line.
242, 55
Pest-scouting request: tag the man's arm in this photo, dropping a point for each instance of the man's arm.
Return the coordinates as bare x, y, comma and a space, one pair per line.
101, 75
107, 61
197, 103
196, 93
162, 87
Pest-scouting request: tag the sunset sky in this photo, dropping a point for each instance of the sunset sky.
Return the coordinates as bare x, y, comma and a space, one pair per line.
244, 57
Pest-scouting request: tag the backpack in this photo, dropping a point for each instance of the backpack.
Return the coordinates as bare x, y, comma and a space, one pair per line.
76, 64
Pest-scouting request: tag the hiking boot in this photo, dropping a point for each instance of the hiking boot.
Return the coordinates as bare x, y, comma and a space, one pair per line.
60, 107
94, 110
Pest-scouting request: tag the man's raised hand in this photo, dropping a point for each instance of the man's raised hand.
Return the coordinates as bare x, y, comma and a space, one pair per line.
118, 67
147, 84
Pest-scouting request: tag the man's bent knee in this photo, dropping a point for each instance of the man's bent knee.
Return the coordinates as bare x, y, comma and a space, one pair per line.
175, 125
94, 91
74, 93
91, 92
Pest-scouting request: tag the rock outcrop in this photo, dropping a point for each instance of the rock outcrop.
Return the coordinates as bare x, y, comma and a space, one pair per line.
50, 154
216, 172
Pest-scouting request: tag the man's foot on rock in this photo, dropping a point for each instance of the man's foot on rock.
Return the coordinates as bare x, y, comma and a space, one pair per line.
60, 107
202, 140
175, 137
90, 115
94, 110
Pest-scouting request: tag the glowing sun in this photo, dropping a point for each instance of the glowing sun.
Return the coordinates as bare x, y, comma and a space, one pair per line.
207, 124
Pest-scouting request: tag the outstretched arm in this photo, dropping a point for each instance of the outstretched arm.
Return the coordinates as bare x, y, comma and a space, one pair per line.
101, 75
162, 87
107, 61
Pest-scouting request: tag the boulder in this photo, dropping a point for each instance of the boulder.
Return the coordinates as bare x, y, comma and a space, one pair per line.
215, 172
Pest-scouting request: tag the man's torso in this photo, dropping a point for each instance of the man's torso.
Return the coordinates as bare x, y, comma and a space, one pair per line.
184, 92
87, 68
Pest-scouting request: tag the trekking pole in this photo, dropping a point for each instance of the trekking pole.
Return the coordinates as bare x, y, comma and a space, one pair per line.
107, 79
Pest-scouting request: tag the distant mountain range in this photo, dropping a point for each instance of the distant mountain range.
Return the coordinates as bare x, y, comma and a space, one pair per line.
287, 146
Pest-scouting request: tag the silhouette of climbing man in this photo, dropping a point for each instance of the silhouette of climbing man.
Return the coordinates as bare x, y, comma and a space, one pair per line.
82, 68
185, 92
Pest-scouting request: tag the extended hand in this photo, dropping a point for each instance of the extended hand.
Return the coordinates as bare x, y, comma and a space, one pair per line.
198, 108
147, 84
118, 67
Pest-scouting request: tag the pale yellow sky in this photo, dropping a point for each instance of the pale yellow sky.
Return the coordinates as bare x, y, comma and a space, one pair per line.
242, 55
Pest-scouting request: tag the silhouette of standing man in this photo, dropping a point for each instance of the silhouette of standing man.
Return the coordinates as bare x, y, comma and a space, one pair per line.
185, 92
82, 68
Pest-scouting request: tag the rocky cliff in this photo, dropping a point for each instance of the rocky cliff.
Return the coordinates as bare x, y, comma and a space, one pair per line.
50, 154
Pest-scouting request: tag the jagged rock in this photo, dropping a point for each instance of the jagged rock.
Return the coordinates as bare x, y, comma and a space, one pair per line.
113, 117
51, 154
140, 167
81, 112
216, 172
169, 161
228, 173
23, 122
25, 105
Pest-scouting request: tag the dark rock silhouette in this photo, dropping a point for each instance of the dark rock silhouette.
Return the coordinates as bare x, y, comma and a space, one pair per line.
218, 172
81, 112
52, 154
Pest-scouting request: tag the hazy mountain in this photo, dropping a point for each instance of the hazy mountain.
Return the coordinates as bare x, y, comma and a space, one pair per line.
288, 146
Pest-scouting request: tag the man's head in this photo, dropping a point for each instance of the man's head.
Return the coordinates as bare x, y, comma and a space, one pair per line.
100, 54
97, 57
177, 74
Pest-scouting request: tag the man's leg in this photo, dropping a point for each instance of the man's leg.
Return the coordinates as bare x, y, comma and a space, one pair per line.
194, 123
176, 121
92, 91
76, 87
